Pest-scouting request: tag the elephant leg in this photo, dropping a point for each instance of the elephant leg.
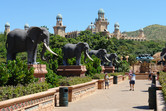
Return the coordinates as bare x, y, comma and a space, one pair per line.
9, 56
78, 61
34, 56
30, 57
65, 62
110, 64
102, 63
14, 56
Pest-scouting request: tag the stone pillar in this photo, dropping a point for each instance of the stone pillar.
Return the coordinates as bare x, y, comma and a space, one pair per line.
121, 58
39, 71
127, 58
102, 69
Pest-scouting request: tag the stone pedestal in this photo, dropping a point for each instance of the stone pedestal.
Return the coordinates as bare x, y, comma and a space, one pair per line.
73, 70
39, 71
102, 69
109, 69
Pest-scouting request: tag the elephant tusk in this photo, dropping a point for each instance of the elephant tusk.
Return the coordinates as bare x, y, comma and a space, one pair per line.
163, 56
116, 61
107, 59
48, 48
89, 56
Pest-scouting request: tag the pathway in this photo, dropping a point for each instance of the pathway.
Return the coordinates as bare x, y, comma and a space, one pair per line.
117, 98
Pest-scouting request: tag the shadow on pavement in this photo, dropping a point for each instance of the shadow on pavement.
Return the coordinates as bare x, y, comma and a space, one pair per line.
142, 107
144, 91
124, 90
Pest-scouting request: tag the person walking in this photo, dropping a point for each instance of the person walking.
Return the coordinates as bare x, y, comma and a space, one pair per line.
132, 81
106, 79
150, 75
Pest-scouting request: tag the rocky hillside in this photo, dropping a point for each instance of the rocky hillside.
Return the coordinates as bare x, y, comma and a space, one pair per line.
152, 32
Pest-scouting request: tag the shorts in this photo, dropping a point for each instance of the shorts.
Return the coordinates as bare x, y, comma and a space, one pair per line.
106, 83
132, 82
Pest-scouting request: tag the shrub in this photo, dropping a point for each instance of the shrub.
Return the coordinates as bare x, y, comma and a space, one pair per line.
117, 73
93, 67
16, 72
162, 79
68, 81
9, 92
52, 78
4, 74
100, 76
122, 66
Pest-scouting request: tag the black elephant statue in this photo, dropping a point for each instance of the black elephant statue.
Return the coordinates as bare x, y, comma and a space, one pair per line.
101, 54
75, 50
162, 56
112, 57
20, 40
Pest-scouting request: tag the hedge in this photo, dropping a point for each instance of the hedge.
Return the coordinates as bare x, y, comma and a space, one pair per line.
68, 81
101, 76
9, 92
162, 79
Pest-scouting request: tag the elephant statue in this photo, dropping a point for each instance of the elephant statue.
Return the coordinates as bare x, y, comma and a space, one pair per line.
112, 57
20, 40
101, 54
75, 50
162, 56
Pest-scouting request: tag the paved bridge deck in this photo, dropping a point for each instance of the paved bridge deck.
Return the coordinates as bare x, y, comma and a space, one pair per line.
117, 98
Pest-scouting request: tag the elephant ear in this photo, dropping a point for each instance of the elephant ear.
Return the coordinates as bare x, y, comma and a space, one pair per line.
80, 45
34, 33
100, 51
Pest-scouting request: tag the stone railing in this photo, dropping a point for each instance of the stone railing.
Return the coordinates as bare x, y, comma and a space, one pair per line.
35, 102
78, 91
120, 78
160, 102
47, 100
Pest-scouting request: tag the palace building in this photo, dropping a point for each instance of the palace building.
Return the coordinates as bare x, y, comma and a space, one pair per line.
59, 29
100, 25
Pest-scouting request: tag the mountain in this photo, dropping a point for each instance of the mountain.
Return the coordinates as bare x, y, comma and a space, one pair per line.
152, 32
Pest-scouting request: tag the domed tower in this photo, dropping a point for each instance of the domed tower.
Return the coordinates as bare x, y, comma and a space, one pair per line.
7, 28
101, 22
101, 14
116, 24
116, 30
59, 29
26, 27
141, 33
91, 27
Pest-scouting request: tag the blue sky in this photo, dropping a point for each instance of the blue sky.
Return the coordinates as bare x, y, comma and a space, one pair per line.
78, 14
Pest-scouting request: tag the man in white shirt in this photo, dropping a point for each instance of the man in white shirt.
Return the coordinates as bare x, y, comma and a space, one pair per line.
132, 81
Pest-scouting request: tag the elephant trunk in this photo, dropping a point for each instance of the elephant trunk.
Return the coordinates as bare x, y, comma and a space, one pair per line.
42, 53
